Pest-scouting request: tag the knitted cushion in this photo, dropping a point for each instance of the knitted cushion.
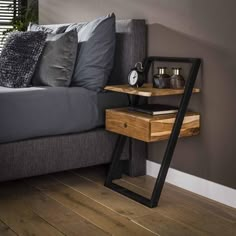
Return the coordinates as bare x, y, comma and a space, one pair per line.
19, 58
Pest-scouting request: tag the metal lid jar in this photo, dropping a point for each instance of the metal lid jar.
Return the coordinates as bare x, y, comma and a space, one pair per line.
177, 80
161, 79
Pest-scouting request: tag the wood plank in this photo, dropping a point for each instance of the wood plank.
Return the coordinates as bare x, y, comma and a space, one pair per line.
129, 124
179, 213
187, 211
187, 214
149, 128
146, 117
184, 209
60, 217
159, 221
166, 226
5, 230
103, 195
161, 128
146, 90
199, 219
97, 174
181, 196
19, 217
91, 210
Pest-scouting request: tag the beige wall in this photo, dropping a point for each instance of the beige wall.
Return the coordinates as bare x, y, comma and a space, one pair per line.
194, 28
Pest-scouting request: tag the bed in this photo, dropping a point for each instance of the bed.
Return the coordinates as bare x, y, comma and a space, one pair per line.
52, 111
46, 129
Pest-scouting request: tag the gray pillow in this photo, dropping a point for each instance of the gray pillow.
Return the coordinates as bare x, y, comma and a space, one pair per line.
95, 53
54, 29
56, 65
19, 57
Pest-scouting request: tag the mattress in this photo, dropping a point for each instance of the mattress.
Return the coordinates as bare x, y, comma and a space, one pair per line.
47, 111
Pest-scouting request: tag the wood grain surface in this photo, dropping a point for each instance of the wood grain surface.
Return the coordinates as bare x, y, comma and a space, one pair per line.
146, 90
77, 203
149, 128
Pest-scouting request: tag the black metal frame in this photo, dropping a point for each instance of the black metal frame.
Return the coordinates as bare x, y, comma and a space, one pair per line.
153, 202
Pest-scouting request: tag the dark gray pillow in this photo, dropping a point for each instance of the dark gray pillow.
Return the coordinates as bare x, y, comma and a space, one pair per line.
56, 65
19, 57
95, 53
54, 29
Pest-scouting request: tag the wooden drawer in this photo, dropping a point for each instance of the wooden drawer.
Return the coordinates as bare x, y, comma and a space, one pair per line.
149, 128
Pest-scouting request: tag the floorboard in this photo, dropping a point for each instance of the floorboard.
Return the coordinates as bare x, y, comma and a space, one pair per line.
77, 203
104, 196
16, 214
187, 210
5, 230
62, 218
166, 226
171, 194
181, 196
100, 215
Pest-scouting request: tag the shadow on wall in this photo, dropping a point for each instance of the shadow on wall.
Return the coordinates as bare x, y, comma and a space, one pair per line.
207, 31
211, 155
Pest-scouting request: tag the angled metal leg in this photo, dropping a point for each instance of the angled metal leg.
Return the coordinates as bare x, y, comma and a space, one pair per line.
120, 143
153, 202
174, 135
114, 164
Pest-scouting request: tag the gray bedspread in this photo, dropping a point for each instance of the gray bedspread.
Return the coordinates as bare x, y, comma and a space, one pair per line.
46, 111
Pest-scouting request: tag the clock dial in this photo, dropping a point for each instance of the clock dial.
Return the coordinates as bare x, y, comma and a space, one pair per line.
133, 77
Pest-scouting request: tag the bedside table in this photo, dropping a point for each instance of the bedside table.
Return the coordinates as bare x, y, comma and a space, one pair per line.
147, 128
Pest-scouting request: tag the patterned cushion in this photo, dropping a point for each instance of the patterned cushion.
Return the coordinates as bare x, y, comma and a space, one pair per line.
19, 58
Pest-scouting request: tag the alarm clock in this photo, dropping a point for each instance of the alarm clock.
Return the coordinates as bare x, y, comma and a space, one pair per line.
136, 76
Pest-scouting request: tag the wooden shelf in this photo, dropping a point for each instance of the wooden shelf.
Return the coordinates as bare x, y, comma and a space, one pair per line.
149, 128
146, 90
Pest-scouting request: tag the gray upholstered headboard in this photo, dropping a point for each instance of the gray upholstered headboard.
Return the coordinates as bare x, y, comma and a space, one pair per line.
131, 47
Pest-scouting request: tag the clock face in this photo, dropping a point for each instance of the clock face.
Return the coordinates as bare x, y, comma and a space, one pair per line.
133, 77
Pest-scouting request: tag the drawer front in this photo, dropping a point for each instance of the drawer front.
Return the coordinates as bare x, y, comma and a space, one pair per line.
128, 125
161, 129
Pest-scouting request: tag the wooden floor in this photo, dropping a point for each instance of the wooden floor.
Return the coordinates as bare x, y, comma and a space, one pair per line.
76, 203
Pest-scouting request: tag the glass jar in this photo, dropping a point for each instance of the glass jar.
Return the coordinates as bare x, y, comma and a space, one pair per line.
161, 79
177, 80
